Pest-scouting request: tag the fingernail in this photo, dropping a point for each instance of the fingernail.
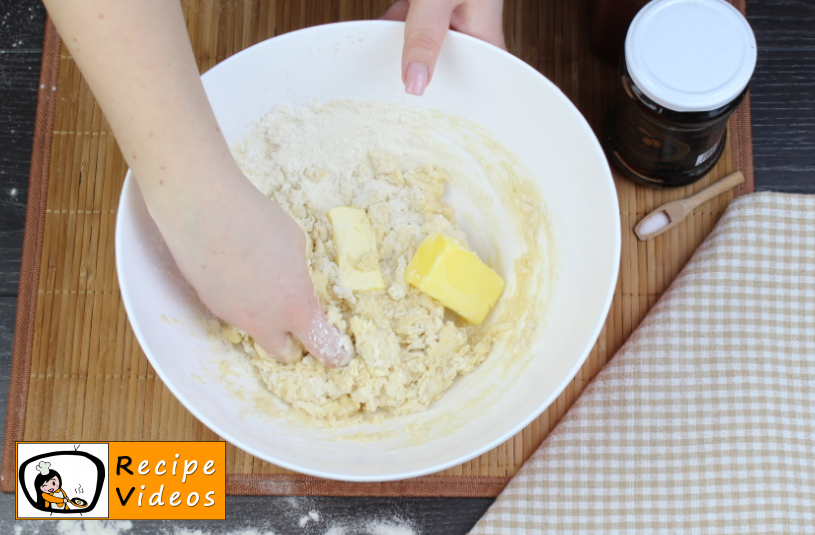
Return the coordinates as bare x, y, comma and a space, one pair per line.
416, 78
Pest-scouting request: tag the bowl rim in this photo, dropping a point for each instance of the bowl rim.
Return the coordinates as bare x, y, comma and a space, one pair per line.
129, 184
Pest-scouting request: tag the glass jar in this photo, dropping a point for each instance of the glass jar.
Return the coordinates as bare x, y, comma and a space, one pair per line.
685, 70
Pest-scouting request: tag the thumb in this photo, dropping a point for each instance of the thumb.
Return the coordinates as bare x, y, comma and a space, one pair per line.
397, 11
425, 28
321, 338
482, 19
309, 329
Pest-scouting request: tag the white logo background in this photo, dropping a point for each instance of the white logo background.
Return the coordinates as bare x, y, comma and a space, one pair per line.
74, 471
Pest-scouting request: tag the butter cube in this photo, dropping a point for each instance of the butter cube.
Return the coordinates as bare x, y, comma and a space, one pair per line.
455, 277
355, 247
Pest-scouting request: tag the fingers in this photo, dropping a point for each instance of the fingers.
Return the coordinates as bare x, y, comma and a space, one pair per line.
482, 19
316, 335
290, 351
278, 345
323, 340
426, 26
397, 11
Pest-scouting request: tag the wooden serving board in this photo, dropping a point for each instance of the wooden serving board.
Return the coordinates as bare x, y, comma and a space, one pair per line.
78, 373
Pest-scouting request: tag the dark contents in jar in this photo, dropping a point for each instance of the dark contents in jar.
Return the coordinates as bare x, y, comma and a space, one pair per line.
656, 146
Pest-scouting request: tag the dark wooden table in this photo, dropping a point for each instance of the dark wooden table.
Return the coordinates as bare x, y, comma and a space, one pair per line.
783, 92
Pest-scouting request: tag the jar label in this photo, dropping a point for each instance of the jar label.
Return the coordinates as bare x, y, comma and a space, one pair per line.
656, 148
651, 143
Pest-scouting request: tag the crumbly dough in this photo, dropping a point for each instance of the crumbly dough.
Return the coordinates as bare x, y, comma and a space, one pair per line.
393, 161
408, 352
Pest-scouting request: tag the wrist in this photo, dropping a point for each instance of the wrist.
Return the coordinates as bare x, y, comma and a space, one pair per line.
187, 195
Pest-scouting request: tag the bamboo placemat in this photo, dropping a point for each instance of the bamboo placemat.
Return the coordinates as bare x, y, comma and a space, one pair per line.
78, 373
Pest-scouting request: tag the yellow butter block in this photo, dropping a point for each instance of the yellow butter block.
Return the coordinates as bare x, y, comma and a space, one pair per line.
455, 277
355, 247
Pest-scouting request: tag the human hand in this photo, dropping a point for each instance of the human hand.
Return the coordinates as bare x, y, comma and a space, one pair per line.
245, 256
239, 250
426, 24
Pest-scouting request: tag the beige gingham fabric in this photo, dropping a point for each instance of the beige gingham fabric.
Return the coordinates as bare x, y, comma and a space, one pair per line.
704, 422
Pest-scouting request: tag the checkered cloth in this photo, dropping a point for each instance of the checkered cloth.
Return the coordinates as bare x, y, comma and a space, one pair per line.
704, 422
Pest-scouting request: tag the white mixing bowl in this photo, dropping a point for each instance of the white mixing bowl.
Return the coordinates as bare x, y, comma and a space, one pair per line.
529, 115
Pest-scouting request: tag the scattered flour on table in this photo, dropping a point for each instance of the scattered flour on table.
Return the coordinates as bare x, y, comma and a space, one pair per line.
93, 527
312, 516
200, 532
370, 524
364, 526
373, 527
388, 527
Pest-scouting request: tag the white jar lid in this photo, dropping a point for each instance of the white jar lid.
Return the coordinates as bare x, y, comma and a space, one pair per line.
690, 55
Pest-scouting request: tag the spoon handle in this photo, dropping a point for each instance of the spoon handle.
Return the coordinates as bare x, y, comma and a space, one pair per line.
730, 181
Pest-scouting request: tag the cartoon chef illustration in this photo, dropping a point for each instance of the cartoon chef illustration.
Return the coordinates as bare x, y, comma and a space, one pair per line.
48, 487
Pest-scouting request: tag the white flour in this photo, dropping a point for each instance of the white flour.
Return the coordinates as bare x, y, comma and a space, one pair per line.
292, 515
370, 526
389, 527
312, 516
93, 527
199, 532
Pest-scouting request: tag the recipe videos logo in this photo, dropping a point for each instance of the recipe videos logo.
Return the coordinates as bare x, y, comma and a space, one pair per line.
121, 480
62, 480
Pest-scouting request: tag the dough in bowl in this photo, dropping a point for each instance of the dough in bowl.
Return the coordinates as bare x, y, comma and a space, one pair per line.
371, 156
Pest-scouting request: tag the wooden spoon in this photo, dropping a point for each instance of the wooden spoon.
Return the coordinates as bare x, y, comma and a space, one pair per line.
671, 214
